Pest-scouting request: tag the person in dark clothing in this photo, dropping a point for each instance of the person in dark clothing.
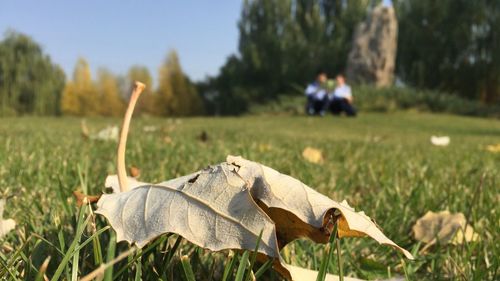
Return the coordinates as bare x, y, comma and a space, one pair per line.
341, 99
317, 98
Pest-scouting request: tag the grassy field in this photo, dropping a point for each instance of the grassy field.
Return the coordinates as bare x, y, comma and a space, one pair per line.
383, 164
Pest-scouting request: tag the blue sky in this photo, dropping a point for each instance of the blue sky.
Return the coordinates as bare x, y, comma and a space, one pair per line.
118, 34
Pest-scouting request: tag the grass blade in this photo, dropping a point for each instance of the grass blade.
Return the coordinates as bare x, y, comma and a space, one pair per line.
188, 271
254, 257
70, 252
327, 255
229, 267
240, 273
110, 256
268, 264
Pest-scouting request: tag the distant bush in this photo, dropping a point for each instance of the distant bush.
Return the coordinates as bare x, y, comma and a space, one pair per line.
367, 98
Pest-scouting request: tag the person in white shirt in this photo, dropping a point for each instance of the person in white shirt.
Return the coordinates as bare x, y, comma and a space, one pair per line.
341, 99
317, 97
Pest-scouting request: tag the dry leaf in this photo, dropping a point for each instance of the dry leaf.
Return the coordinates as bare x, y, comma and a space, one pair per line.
109, 133
227, 205
440, 141
302, 274
443, 227
300, 211
495, 148
5, 225
134, 171
211, 208
313, 155
149, 129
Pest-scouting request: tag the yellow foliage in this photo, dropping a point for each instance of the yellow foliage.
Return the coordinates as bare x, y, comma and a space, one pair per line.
80, 97
111, 103
176, 95
147, 102
69, 100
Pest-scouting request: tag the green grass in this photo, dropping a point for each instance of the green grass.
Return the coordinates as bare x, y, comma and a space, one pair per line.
383, 164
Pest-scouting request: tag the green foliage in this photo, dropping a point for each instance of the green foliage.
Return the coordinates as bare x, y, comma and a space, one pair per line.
451, 45
447, 46
147, 102
81, 96
380, 163
110, 101
29, 82
283, 43
371, 99
391, 99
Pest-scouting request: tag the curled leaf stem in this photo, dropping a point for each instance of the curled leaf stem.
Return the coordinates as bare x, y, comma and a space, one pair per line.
122, 144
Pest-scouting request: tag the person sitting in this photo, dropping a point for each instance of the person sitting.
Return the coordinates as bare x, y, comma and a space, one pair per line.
341, 99
317, 98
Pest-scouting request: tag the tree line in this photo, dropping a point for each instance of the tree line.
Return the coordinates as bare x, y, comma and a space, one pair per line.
30, 83
450, 46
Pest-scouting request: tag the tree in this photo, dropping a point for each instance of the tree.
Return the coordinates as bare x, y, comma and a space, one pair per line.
29, 82
81, 96
451, 45
111, 104
176, 94
147, 102
282, 44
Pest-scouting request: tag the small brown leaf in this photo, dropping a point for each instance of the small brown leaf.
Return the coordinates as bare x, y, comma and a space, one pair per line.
134, 171
84, 199
203, 136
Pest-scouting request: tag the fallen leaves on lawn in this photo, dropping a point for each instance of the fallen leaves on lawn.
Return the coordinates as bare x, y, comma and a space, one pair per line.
440, 141
313, 155
444, 227
5, 225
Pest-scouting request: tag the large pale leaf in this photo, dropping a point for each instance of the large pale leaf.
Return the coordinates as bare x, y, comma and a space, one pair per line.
300, 211
211, 208
227, 205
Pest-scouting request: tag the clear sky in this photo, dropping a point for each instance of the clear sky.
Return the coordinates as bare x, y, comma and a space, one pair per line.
118, 34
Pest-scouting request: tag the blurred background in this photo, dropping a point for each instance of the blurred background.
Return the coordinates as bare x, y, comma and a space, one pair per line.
232, 58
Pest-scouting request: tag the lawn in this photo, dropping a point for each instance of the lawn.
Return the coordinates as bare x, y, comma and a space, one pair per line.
383, 164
